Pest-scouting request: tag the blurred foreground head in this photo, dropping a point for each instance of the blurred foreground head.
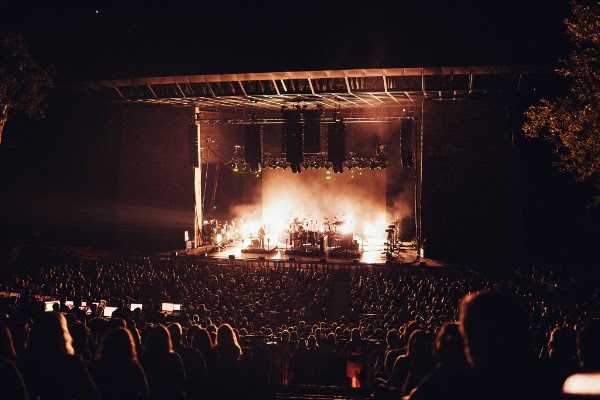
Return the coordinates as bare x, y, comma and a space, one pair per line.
495, 328
50, 336
588, 345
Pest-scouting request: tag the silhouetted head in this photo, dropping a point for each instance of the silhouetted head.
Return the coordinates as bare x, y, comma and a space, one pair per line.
311, 342
419, 345
392, 339
176, 332
158, 340
227, 341
330, 342
50, 336
407, 330
355, 335
200, 339
449, 345
118, 344
495, 329
285, 336
588, 345
116, 323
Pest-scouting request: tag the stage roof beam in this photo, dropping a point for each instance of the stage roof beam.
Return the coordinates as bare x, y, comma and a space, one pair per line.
312, 90
276, 88
375, 97
350, 92
149, 86
119, 92
180, 90
385, 87
426, 71
348, 89
343, 98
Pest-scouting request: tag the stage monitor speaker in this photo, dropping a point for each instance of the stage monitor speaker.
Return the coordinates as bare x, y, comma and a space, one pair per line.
293, 138
312, 130
406, 143
336, 145
253, 146
193, 144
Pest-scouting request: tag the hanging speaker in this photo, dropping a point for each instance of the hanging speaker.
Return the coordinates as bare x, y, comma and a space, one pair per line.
406, 143
253, 146
336, 144
193, 144
312, 130
293, 138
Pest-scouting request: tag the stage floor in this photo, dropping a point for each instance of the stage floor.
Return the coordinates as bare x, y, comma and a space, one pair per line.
373, 254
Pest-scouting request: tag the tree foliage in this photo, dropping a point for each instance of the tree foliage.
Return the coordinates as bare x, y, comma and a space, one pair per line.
22, 81
572, 122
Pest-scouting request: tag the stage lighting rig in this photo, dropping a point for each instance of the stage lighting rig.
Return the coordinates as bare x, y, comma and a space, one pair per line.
315, 161
294, 152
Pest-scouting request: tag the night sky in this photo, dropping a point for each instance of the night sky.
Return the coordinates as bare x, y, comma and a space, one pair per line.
70, 171
99, 40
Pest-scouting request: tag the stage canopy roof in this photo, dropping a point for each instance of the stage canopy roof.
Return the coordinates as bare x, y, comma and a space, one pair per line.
331, 89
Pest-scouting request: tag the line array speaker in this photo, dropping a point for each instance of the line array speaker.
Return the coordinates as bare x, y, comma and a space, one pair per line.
253, 146
312, 130
293, 138
336, 144
406, 143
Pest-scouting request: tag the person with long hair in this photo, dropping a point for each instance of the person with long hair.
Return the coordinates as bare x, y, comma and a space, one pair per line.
227, 346
228, 374
200, 340
164, 367
117, 371
193, 362
50, 367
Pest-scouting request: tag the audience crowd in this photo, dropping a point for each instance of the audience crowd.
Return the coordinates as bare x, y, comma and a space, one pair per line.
244, 330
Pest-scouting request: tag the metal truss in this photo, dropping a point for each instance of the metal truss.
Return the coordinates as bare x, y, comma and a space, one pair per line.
329, 89
311, 161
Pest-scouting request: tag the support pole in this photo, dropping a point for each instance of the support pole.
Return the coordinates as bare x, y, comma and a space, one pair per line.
419, 183
198, 184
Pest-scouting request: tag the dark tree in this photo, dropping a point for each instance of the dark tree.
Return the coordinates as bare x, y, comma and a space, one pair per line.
572, 122
22, 81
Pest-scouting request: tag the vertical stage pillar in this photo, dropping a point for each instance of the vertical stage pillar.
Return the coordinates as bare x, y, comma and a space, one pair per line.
198, 183
419, 184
